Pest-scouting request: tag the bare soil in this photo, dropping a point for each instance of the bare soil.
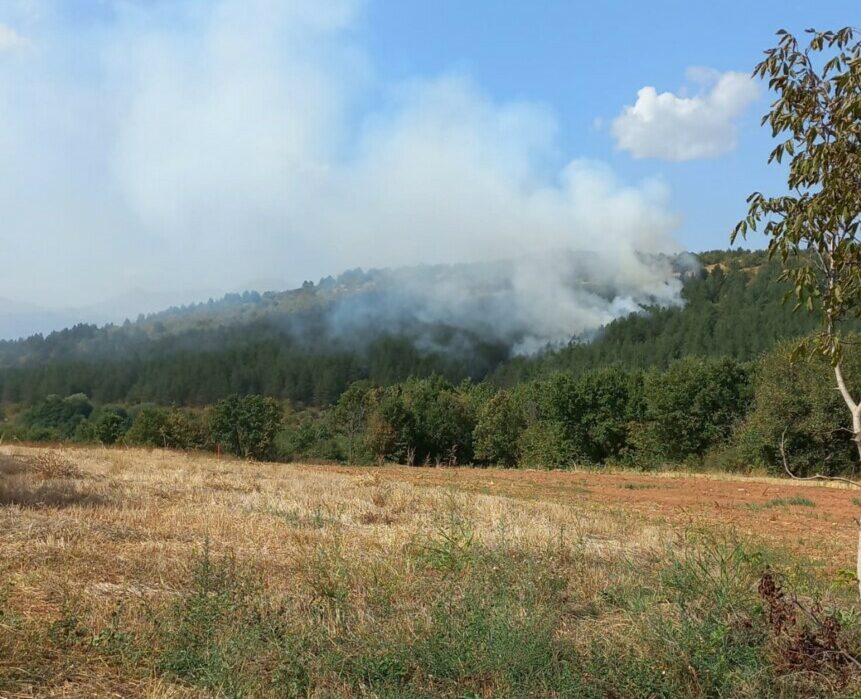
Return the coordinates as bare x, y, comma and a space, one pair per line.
825, 531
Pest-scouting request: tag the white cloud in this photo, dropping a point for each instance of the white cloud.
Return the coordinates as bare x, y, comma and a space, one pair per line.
672, 127
10, 40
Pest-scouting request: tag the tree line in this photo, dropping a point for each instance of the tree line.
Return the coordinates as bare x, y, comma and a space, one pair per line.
711, 412
244, 426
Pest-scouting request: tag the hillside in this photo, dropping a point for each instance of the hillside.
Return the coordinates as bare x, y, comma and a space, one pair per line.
309, 344
733, 308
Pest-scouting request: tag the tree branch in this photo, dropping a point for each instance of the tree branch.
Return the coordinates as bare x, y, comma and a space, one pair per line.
815, 477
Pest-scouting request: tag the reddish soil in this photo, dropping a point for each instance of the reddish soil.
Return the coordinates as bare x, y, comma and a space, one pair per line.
824, 530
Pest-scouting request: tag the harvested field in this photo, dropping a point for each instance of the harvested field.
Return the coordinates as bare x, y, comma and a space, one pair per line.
159, 574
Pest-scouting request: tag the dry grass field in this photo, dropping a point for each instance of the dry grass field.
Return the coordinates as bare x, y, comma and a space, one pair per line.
128, 573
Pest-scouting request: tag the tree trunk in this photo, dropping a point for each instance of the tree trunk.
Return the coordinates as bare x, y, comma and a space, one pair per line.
855, 409
858, 559
856, 429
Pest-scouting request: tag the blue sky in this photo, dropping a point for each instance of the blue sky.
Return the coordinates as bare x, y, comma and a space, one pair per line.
587, 59
176, 149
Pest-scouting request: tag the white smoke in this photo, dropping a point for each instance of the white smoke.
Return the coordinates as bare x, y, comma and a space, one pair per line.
200, 145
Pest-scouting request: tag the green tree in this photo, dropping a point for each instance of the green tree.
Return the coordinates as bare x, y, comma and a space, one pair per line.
56, 417
148, 428
813, 230
184, 429
391, 428
544, 444
442, 421
309, 437
497, 431
245, 425
107, 425
795, 406
609, 400
595, 410
351, 415
692, 407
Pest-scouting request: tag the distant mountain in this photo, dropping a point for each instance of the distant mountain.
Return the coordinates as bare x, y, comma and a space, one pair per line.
503, 302
20, 319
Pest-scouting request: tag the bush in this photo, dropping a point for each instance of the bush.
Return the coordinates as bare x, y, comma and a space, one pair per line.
107, 425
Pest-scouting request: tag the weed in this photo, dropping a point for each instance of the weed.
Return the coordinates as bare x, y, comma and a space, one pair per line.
795, 501
330, 581
497, 629
317, 519
226, 636
450, 549
52, 464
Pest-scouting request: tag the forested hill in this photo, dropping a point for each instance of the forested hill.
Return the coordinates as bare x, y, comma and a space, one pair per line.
283, 344
734, 308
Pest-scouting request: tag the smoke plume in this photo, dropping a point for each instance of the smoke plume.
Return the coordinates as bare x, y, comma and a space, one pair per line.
209, 145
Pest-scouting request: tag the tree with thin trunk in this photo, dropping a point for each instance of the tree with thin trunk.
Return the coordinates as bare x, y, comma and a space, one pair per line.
351, 414
816, 118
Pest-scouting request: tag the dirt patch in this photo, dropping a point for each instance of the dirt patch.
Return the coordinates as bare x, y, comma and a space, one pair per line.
825, 530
